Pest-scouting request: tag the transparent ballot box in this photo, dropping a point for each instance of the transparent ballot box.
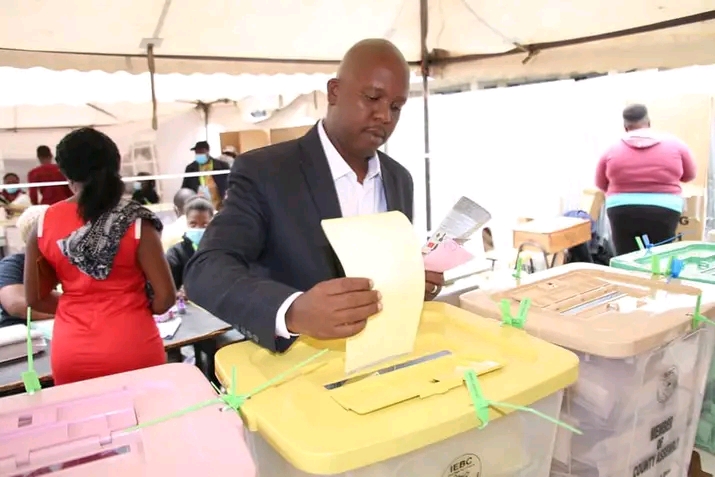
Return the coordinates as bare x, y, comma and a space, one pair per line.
411, 416
644, 360
698, 270
94, 429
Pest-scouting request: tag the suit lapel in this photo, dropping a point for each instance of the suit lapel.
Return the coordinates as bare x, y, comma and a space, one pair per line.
316, 171
389, 183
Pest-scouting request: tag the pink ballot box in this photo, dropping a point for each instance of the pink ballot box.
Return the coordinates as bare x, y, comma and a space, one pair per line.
90, 429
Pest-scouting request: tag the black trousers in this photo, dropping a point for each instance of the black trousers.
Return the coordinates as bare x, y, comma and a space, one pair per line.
631, 221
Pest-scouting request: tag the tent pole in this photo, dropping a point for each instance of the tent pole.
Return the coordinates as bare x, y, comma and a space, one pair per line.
152, 70
424, 21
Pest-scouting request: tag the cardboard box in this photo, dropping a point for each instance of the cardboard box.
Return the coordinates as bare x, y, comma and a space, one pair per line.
245, 141
287, 134
592, 201
692, 218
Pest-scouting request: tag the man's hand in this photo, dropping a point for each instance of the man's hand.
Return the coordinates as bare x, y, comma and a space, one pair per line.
433, 284
333, 309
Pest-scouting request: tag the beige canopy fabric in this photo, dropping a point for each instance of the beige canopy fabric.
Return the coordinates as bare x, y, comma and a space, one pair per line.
476, 38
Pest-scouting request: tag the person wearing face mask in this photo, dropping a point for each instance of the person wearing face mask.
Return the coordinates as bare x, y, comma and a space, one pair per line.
212, 187
13, 199
145, 191
199, 213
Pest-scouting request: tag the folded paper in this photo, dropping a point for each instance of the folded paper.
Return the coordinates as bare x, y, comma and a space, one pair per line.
446, 256
385, 249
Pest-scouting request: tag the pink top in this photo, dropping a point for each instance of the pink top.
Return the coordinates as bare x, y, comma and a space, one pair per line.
645, 161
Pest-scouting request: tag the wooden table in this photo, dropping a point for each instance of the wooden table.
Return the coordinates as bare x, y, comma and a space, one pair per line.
198, 327
551, 236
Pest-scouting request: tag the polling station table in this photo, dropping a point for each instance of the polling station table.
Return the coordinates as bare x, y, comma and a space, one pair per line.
198, 328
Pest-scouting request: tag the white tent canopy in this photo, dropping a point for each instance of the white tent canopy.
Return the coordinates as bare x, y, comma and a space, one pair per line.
485, 39
42, 99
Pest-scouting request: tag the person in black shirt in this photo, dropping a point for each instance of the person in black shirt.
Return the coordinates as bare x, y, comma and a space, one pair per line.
145, 191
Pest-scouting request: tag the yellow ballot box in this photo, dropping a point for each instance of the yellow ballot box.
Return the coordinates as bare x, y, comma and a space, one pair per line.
411, 416
645, 347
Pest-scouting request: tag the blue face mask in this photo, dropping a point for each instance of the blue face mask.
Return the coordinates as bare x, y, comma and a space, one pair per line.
195, 235
11, 190
202, 159
137, 186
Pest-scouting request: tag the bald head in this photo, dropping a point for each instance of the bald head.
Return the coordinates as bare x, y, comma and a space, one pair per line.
366, 53
180, 199
366, 97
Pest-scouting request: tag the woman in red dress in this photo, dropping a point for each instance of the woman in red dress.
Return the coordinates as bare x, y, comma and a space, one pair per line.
104, 251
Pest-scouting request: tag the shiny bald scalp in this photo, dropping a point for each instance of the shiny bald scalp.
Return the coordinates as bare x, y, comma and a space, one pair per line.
368, 52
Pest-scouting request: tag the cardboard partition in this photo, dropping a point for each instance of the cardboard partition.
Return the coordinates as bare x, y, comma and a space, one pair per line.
592, 202
692, 219
251, 139
245, 141
288, 134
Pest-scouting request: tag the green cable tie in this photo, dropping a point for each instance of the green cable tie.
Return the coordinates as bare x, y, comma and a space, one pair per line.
639, 242
517, 271
518, 321
655, 266
230, 399
30, 378
482, 404
698, 317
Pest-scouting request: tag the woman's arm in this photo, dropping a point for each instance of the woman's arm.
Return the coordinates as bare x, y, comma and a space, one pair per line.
690, 170
156, 269
43, 304
601, 179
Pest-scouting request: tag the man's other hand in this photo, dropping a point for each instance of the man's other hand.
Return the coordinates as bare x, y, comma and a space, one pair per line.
434, 282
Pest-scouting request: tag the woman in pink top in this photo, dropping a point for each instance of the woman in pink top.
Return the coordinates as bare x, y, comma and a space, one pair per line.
641, 176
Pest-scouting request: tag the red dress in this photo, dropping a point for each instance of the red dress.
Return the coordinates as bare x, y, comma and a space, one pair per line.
101, 327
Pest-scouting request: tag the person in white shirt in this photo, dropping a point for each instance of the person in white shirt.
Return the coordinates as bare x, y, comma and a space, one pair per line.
264, 264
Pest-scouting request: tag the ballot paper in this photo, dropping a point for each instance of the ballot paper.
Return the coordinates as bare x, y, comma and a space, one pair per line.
465, 218
385, 249
446, 255
167, 329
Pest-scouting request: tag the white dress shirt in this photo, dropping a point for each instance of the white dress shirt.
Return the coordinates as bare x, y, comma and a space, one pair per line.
354, 198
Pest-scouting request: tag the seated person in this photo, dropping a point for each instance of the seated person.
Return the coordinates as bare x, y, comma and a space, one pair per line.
199, 212
13, 199
145, 191
174, 232
13, 307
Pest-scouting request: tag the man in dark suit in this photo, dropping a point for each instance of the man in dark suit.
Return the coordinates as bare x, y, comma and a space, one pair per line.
264, 264
211, 187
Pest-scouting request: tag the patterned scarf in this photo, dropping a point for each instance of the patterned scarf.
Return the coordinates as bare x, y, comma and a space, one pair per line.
93, 247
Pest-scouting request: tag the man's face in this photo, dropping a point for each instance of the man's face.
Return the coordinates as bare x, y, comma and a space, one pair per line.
196, 219
368, 105
11, 180
201, 150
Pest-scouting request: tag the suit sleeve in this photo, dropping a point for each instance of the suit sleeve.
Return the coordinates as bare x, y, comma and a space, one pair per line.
176, 264
220, 277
